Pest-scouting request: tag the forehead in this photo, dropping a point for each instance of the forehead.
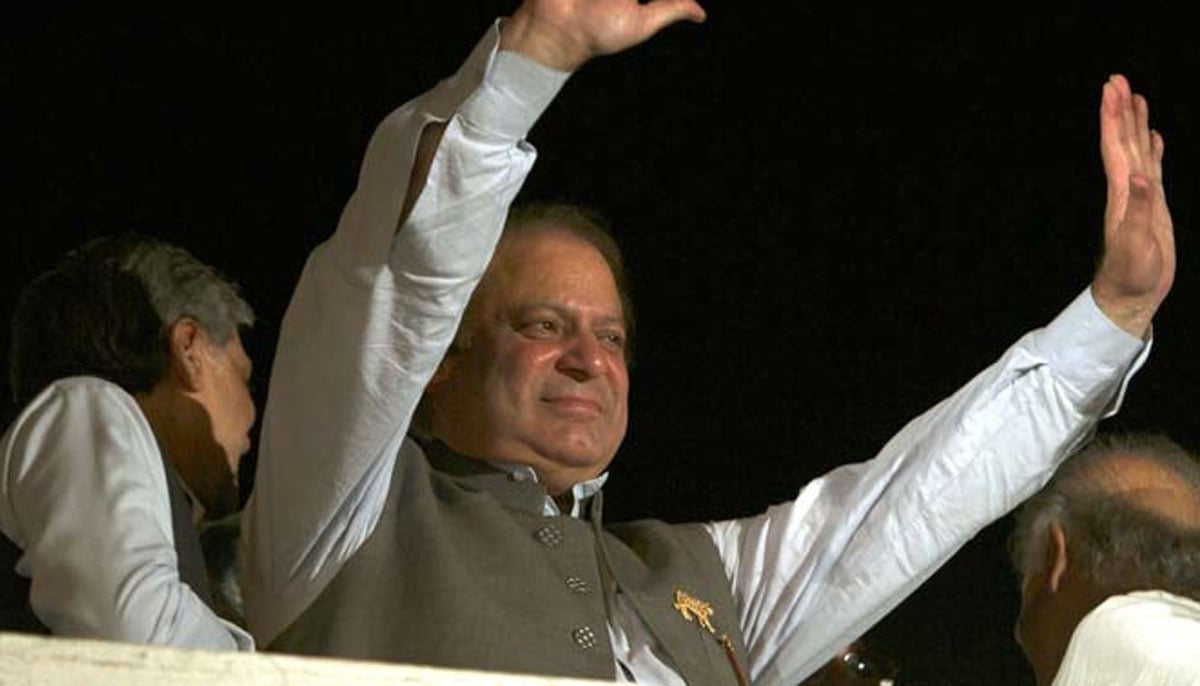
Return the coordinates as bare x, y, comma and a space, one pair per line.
553, 266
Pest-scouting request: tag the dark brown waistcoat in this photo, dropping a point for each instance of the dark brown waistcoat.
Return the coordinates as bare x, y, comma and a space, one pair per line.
463, 570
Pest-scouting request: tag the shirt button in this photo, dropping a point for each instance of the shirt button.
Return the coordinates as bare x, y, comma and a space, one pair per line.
549, 535
584, 637
578, 585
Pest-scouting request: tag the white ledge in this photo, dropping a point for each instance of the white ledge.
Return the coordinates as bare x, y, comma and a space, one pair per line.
44, 661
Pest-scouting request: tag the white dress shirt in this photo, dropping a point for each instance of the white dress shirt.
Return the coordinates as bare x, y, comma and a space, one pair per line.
1147, 638
377, 306
85, 498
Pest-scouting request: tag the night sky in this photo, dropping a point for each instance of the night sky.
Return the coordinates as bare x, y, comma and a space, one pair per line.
833, 217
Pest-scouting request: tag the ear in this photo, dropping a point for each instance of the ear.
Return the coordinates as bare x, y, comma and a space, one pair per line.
1056, 556
186, 348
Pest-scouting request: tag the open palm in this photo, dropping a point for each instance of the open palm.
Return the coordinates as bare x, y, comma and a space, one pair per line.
1138, 266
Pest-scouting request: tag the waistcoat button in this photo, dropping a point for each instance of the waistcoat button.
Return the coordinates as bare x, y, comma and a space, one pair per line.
578, 585
549, 535
584, 637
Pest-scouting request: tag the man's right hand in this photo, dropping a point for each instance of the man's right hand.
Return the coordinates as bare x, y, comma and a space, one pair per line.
563, 34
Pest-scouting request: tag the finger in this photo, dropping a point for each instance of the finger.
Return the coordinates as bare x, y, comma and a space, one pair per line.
1121, 109
1121, 85
1141, 118
1129, 125
1157, 147
1117, 123
1116, 160
1110, 125
658, 14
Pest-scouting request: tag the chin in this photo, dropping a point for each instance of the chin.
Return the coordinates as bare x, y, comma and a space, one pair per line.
583, 457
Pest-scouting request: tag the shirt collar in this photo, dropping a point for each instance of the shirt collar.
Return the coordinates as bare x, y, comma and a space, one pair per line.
580, 492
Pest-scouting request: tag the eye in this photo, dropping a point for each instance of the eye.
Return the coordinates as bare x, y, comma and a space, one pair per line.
540, 328
612, 340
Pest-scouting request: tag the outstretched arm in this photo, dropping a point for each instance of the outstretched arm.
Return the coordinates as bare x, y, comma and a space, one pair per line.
814, 574
378, 304
1138, 266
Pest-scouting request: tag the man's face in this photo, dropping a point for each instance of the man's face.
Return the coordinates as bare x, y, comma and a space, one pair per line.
228, 401
540, 377
224, 395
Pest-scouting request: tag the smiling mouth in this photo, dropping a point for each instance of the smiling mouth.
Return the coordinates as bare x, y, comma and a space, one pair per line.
574, 406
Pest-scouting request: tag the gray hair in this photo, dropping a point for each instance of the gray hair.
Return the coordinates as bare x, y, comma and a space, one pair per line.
1120, 542
181, 286
105, 308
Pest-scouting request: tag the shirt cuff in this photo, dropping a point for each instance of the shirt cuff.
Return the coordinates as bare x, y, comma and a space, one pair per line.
514, 92
1088, 350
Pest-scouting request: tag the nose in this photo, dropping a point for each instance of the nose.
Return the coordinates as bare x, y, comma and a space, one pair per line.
584, 358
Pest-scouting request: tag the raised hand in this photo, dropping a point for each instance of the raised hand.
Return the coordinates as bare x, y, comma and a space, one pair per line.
563, 34
1138, 266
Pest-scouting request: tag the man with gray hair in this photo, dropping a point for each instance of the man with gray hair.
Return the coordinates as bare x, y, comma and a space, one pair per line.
1109, 556
127, 360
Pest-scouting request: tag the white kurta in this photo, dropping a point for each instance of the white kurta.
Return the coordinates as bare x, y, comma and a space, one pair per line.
1147, 638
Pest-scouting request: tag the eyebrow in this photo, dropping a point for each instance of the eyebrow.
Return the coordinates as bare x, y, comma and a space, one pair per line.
566, 312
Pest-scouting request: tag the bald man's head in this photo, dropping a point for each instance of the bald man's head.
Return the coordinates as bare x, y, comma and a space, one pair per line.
1148, 484
1122, 515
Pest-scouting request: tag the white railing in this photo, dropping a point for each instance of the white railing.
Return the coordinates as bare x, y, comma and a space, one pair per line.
38, 661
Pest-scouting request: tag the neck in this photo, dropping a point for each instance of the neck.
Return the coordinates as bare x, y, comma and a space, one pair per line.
558, 479
565, 502
156, 406
1078, 599
174, 418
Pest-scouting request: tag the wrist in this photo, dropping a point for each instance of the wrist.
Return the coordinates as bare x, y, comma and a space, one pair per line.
549, 47
1130, 313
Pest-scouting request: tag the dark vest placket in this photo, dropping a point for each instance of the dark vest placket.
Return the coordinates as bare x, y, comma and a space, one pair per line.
692, 652
464, 570
15, 611
190, 557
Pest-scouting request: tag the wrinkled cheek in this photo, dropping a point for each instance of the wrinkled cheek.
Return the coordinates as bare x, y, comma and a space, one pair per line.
621, 422
251, 411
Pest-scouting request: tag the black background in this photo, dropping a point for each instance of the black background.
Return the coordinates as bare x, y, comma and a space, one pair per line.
834, 216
